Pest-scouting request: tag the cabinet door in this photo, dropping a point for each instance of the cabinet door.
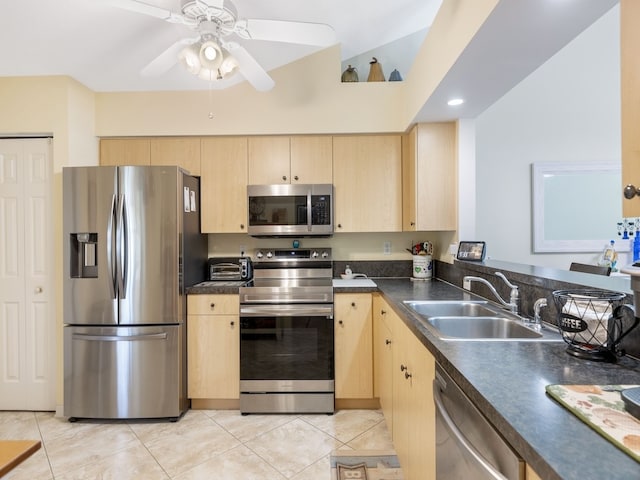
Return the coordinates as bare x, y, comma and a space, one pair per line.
401, 395
429, 171
269, 160
213, 356
367, 179
184, 152
630, 102
223, 182
421, 412
353, 346
312, 159
125, 151
413, 408
383, 357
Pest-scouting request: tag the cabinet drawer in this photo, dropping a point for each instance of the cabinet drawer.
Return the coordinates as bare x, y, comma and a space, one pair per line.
213, 305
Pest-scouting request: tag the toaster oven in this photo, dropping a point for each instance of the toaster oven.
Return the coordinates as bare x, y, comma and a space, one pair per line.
230, 268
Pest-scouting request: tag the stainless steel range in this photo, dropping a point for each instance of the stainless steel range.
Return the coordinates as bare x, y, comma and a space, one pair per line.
286, 333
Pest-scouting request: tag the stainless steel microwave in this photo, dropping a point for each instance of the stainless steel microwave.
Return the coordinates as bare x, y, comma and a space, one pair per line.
290, 210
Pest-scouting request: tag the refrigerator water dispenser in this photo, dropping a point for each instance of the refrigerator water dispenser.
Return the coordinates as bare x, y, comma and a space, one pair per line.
84, 262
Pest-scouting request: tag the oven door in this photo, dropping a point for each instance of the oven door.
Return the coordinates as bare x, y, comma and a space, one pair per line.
286, 347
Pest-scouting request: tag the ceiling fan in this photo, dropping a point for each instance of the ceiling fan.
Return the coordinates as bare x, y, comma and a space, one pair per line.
209, 54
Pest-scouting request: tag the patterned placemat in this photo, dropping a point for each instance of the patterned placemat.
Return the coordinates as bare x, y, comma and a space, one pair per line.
602, 408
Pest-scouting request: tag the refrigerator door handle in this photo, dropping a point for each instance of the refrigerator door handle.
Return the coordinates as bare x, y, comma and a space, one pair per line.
119, 338
121, 249
111, 249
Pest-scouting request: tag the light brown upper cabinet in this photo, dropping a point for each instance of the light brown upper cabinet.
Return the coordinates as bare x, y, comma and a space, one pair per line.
223, 184
125, 151
367, 175
311, 159
299, 159
269, 160
630, 102
181, 151
429, 172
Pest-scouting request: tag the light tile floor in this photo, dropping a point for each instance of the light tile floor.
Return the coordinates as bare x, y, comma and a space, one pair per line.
204, 444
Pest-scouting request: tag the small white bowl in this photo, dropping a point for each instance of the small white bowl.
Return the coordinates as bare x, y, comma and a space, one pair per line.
345, 276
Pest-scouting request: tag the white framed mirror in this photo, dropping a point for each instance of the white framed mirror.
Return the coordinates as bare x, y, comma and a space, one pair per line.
576, 206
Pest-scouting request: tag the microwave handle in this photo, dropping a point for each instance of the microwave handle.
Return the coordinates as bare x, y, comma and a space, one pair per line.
309, 215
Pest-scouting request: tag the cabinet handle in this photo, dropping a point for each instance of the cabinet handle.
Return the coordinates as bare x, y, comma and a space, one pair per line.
339, 225
413, 224
340, 322
383, 312
242, 226
232, 323
387, 341
402, 368
213, 305
630, 191
407, 375
296, 177
284, 177
353, 304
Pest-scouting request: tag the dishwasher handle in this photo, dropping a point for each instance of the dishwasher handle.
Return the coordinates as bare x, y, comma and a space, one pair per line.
459, 437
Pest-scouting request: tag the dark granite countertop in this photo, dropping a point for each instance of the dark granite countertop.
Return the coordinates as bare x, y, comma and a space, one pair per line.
215, 288
506, 380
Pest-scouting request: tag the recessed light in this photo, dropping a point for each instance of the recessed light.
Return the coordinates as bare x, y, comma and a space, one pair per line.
455, 101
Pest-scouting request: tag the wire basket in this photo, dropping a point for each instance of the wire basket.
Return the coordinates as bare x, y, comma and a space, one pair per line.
589, 322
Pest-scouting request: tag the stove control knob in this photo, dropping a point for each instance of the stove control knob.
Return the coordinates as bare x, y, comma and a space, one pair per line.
314, 254
259, 254
325, 254
269, 254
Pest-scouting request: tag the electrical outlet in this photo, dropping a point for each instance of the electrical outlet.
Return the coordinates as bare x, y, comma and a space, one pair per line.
243, 250
453, 249
386, 249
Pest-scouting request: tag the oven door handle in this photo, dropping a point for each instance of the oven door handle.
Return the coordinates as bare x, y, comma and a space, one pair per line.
286, 311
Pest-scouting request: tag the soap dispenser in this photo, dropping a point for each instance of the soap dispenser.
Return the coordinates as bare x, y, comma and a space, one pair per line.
347, 270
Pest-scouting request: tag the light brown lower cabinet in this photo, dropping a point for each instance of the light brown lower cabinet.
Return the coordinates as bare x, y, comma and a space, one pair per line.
383, 356
413, 432
404, 376
213, 347
353, 334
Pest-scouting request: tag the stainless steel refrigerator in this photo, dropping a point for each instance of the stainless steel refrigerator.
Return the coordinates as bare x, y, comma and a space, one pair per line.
132, 244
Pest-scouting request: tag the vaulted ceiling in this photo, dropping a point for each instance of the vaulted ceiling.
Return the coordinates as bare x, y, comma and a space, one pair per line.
105, 47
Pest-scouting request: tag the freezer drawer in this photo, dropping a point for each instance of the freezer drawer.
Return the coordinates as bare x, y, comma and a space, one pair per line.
124, 372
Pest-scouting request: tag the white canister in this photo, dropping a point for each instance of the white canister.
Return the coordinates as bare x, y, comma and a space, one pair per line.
422, 266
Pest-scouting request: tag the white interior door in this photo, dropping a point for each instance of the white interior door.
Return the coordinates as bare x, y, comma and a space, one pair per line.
27, 317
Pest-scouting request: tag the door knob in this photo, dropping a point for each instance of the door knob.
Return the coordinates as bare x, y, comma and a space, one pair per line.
38, 290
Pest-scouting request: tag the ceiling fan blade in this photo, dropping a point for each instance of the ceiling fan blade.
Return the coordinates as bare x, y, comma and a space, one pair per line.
146, 9
290, 32
167, 59
250, 68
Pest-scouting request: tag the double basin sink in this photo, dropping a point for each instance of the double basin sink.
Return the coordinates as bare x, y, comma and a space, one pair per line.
477, 320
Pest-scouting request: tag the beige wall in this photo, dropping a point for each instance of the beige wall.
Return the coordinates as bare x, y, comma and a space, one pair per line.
63, 108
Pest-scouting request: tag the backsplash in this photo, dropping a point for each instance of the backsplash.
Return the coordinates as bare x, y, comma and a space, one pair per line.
374, 268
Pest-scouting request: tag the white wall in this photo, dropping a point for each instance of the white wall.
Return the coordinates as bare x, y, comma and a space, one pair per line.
567, 110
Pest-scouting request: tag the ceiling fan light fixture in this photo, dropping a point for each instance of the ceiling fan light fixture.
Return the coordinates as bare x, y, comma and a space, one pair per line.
190, 58
210, 55
229, 64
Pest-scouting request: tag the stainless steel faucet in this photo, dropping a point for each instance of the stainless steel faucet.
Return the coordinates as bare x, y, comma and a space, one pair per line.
512, 305
537, 305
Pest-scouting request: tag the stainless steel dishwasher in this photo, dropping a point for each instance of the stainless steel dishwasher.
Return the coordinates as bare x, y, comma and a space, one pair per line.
467, 445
